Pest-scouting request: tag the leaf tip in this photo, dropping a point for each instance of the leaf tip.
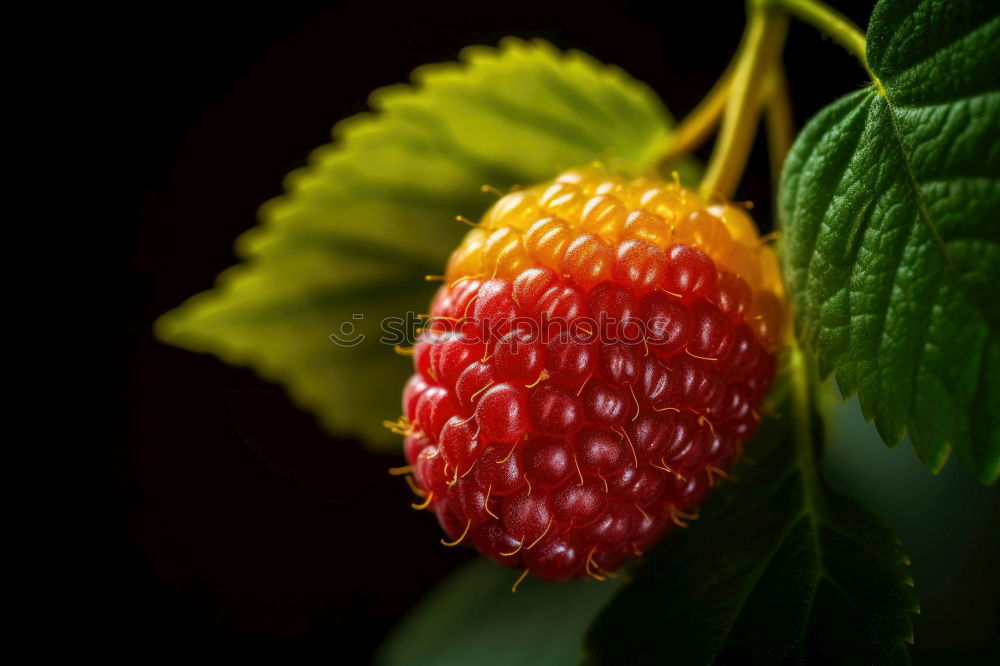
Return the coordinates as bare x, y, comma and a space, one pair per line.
167, 327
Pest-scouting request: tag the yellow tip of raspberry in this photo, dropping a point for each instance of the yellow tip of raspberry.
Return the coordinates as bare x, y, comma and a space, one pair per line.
576, 224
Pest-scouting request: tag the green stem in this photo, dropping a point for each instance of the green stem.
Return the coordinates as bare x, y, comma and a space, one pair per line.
827, 20
765, 38
800, 375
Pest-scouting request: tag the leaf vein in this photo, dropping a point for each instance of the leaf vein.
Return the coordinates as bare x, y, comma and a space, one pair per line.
915, 183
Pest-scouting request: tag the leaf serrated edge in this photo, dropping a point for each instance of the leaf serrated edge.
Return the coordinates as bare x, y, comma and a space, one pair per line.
828, 366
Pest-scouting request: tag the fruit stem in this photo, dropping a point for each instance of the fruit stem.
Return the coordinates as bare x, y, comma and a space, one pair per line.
778, 118
827, 20
765, 37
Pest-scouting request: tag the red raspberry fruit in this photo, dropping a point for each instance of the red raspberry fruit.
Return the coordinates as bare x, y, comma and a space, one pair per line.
599, 353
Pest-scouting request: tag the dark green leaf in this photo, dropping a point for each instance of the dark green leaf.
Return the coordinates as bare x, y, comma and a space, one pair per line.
779, 570
375, 211
472, 618
891, 202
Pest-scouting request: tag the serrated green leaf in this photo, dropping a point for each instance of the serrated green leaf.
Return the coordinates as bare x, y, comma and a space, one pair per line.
779, 570
472, 618
890, 199
375, 211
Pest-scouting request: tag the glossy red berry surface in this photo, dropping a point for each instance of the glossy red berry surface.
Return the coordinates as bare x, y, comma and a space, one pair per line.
599, 354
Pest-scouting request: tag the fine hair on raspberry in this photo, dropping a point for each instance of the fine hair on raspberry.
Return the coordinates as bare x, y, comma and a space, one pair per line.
595, 359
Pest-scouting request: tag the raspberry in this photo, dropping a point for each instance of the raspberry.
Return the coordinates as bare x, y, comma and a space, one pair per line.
596, 359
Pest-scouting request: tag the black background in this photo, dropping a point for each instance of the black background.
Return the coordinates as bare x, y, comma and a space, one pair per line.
226, 517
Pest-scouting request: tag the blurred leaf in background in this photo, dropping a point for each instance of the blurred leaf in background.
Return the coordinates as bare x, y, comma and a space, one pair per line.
375, 211
472, 618
948, 524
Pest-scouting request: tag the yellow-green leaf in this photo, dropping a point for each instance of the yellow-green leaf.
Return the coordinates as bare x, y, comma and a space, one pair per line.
374, 211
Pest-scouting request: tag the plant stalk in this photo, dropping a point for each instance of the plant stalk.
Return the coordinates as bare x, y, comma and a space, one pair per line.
803, 379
